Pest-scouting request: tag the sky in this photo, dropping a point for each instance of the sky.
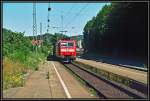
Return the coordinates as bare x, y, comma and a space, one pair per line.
71, 17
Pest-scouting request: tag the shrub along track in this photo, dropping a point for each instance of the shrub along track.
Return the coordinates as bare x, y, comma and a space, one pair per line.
105, 88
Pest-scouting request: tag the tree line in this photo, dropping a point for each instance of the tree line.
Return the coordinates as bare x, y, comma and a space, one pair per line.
119, 29
19, 55
18, 47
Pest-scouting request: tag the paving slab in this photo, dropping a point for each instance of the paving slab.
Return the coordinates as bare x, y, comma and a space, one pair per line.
137, 75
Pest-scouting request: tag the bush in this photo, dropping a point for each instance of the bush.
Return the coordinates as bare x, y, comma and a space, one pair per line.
19, 56
12, 74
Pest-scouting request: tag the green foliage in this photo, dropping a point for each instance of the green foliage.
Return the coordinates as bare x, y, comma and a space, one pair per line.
47, 75
12, 74
18, 49
93, 92
118, 28
13, 80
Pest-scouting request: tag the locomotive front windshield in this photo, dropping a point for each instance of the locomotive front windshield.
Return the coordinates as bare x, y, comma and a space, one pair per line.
64, 44
70, 44
67, 44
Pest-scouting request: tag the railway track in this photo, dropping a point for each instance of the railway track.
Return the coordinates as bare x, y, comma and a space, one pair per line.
105, 88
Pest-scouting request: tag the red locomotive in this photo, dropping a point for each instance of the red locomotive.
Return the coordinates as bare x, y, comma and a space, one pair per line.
66, 50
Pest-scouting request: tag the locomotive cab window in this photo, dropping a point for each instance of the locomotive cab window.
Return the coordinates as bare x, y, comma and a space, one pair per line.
70, 44
63, 44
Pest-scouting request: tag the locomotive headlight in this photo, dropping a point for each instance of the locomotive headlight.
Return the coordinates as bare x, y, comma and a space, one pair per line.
63, 50
71, 50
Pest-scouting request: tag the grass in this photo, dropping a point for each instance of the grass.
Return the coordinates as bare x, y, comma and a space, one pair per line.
19, 57
47, 75
13, 70
93, 92
108, 75
12, 74
34, 60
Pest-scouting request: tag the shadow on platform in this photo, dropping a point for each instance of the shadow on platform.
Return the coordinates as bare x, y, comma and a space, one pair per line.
52, 58
113, 60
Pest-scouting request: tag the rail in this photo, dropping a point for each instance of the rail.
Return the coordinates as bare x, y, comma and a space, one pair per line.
104, 87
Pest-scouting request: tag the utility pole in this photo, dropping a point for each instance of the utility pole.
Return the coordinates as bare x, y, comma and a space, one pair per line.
34, 26
62, 22
48, 21
41, 39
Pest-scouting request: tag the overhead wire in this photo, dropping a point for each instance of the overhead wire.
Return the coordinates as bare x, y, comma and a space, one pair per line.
69, 10
76, 15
